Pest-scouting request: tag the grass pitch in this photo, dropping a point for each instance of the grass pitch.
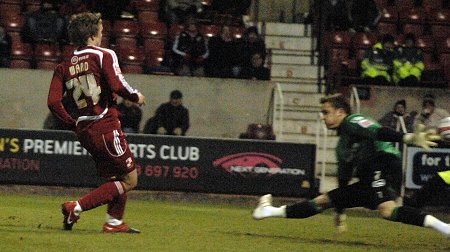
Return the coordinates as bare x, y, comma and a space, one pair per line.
34, 223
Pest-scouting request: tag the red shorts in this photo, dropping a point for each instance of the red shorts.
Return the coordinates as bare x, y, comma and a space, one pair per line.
109, 149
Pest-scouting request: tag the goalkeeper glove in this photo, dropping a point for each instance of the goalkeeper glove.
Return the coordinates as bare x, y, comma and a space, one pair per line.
422, 138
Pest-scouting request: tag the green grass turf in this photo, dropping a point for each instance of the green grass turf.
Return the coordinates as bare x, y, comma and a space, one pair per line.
34, 223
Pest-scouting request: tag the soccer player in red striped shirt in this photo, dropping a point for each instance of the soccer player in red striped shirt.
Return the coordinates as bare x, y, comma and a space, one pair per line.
92, 80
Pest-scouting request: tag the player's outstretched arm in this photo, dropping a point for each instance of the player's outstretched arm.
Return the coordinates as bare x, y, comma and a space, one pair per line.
422, 137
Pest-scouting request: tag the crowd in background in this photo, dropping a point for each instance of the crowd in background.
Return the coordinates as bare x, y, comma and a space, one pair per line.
190, 53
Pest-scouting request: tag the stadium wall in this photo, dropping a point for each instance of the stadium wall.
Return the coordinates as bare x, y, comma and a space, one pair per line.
217, 107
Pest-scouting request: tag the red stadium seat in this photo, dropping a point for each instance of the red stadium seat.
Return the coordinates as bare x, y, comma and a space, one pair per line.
440, 22
156, 30
105, 41
340, 39
387, 28
125, 28
404, 4
363, 40
154, 58
209, 30
131, 60
335, 57
412, 21
67, 50
10, 9
20, 63
426, 43
46, 65
238, 31
432, 4
148, 17
126, 42
47, 52
21, 51
153, 44
146, 5
14, 23
16, 37
443, 45
107, 27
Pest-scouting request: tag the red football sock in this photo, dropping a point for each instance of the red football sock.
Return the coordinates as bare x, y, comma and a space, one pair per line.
102, 195
116, 207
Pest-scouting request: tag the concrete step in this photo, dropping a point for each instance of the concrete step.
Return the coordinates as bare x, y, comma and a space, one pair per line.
294, 71
304, 87
285, 29
289, 43
296, 98
277, 59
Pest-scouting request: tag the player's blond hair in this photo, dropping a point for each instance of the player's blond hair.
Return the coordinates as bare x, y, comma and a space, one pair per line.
82, 26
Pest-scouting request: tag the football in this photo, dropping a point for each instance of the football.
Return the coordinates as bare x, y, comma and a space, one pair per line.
444, 129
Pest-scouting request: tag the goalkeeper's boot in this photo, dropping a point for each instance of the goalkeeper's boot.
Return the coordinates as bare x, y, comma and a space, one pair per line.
260, 211
70, 217
122, 228
340, 222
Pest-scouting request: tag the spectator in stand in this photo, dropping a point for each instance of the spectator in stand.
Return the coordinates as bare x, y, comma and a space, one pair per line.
377, 63
234, 7
408, 63
391, 119
250, 44
364, 15
70, 7
430, 115
5, 47
257, 71
178, 11
130, 116
190, 49
335, 15
222, 54
44, 25
113, 9
171, 118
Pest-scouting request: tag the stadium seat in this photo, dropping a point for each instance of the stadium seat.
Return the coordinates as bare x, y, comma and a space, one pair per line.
340, 39
432, 4
443, 45
125, 28
363, 40
153, 44
439, 22
32, 5
387, 28
107, 28
404, 4
148, 17
47, 52
335, 57
131, 60
426, 43
10, 9
412, 21
46, 65
209, 30
14, 23
238, 31
16, 37
381, 3
19, 63
67, 50
154, 58
146, 5
155, 30
105, 41
21, 51
126, 42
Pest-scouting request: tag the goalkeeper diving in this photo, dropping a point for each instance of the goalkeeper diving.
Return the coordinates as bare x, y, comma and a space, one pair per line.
365, 149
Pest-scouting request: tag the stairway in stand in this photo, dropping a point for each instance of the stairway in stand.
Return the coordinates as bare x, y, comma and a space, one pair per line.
294, 66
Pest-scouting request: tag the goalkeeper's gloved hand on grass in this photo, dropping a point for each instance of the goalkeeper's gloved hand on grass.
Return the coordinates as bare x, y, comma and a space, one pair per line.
422, 138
